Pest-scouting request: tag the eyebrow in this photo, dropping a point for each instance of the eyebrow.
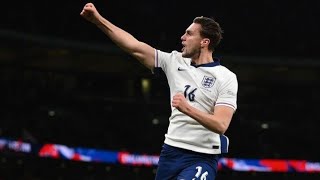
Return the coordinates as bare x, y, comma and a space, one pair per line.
188, 31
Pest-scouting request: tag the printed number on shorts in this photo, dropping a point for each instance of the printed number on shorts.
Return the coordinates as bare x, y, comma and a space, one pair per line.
189, 94
203, 176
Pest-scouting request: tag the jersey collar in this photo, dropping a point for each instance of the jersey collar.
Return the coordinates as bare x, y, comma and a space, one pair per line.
216, 62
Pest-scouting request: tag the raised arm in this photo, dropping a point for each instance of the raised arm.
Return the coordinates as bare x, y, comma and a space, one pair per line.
140, 50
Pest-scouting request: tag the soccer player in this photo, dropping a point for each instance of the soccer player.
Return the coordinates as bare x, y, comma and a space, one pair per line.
203, 96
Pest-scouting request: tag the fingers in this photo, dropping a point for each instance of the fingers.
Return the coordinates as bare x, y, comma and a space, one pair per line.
177, 99
89, 5
83, 13
86, 9
178, 96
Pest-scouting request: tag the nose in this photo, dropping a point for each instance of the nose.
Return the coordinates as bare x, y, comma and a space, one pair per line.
182, 37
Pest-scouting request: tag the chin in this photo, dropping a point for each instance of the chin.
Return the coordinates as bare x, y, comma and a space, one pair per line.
183, 54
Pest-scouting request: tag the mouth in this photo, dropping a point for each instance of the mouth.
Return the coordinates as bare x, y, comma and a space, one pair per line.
183, 47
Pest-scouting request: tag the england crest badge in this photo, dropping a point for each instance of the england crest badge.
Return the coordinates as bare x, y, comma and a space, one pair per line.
208, 82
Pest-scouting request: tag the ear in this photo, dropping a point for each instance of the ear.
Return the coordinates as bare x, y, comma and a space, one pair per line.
205, 42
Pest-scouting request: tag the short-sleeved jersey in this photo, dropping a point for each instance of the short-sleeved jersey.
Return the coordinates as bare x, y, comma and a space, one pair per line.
204, 86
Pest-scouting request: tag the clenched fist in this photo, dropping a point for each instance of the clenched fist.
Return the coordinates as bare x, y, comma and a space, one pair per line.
90, 13
180, 102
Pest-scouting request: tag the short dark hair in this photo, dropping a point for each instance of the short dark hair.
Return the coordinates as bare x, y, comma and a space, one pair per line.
210, 29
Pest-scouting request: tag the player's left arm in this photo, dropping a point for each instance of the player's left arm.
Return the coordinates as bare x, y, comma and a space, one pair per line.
217, 122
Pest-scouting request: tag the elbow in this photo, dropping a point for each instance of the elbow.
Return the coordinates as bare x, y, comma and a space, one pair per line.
222, 125
221, 128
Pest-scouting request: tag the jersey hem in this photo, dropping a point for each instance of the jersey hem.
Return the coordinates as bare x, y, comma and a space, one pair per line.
192, 147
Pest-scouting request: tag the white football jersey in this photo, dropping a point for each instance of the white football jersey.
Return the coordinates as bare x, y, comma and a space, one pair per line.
204, 86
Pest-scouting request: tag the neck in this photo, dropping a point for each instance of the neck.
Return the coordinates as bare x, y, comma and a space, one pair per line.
203, 58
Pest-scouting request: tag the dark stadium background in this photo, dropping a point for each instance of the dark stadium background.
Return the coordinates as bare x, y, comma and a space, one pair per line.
63, 81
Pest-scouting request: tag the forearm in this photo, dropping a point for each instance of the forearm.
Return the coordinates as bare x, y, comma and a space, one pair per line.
140, 50
210, 121
120, 37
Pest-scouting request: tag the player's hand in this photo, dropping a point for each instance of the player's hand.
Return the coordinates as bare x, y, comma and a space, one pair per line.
180, 102
90, 13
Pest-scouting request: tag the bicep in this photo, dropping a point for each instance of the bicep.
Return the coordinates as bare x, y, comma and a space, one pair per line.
145, 54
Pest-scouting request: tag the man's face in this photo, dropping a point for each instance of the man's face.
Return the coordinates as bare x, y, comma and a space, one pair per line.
191, 41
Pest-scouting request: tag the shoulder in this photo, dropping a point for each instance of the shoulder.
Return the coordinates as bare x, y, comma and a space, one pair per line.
173, 53
226, 72
171, 57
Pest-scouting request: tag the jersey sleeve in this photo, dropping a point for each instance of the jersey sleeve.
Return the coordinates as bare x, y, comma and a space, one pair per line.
228, 93
162, 59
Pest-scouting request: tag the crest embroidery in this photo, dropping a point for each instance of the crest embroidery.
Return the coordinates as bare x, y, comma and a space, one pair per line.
208, 82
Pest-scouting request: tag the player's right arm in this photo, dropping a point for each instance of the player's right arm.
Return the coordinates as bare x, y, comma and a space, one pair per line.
140, 50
